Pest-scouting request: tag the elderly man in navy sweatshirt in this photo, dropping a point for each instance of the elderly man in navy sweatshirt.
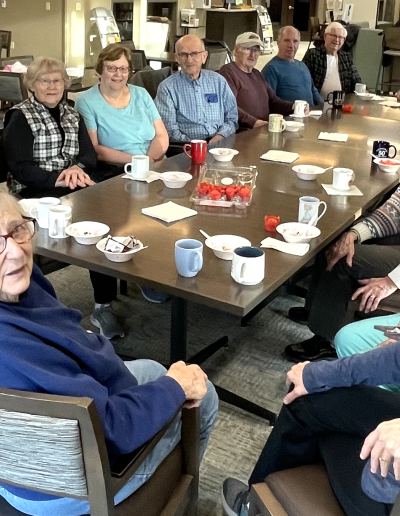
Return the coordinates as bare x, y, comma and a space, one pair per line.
44, 349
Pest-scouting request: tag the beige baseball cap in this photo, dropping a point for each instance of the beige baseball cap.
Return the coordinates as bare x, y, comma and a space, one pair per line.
249, 39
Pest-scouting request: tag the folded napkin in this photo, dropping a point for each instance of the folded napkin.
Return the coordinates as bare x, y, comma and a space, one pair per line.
153, 176
333, 137
316, 112
285, 247
353, 190
281, 156
169, 212
390, 103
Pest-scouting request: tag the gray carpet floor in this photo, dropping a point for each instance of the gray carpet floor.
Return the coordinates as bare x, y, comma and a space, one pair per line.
251, 366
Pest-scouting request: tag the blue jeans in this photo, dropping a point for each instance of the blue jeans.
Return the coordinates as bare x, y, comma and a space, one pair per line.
144, 371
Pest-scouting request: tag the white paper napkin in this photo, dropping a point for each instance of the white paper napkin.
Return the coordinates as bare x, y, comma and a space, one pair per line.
353, 190
281, 156
333, 137
390, 103
153, 176
316, 112
169, 212
285, 247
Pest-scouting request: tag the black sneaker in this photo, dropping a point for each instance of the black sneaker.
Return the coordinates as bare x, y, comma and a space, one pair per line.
298, 314
316, 348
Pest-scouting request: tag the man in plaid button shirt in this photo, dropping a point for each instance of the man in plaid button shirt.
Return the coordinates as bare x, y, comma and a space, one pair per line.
332, 69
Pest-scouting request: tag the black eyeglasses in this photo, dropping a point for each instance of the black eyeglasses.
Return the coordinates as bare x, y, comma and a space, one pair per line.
185, 56
20, 234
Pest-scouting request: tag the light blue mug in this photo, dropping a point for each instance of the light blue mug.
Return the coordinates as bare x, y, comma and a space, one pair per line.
188, 257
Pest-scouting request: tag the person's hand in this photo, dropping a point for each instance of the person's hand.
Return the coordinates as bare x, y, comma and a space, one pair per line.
383, 443
343, 247
307, 110
216, 138
295, 377
373, 291
386, 342
73, 177
260, 123
192, 380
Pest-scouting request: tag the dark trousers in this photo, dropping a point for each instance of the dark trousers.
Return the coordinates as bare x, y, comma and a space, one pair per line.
104, 287
330, 427
330, 292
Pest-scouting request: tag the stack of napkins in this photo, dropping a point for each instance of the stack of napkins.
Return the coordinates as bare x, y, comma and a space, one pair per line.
153, 176
285, 247
281, 156
169, 212
333, 137
316, 112
353, 190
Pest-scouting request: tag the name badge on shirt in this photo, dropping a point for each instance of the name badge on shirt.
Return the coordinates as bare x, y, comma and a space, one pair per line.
212, 98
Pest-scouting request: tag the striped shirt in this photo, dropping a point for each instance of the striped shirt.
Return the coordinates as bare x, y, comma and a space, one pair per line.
197, 109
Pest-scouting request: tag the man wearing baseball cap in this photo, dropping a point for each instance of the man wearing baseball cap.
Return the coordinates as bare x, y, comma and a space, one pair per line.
254, 97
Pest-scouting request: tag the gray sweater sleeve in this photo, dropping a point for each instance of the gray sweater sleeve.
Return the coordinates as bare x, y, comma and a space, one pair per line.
376, 367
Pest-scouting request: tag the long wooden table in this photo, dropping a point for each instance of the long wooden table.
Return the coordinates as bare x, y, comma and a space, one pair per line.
118, 203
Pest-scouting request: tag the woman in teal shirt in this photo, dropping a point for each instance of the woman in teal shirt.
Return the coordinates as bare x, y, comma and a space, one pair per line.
122, 120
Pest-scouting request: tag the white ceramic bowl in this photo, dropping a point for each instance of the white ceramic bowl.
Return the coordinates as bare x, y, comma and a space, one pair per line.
366, 96
87, 232
222, 154
293, 127
175, 179
118, 257
391, 169
307, 172
29, 207
223, 245
289, 232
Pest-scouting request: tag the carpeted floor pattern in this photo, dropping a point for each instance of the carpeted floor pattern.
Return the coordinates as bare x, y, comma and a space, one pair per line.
251, 366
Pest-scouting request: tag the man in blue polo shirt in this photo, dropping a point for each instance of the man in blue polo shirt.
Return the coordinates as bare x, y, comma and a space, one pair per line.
195, 103
289, 78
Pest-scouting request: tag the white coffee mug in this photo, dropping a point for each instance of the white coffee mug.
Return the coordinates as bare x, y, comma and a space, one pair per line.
139, 167
59, 218
43, 206
360, 88
248, 265
342, 178
276, 123
300, 108
308, 207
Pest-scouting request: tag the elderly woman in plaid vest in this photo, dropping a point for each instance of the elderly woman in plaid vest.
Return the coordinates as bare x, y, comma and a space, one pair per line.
49, 152
47, 146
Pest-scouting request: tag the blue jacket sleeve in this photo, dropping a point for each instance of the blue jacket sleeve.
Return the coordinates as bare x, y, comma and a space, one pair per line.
376, 367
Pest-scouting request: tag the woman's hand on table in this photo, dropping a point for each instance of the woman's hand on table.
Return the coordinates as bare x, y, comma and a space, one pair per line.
373, 291
295, 377
384, 444
343, 247
73, 177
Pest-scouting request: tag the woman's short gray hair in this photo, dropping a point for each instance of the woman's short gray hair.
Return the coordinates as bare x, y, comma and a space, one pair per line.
43, 65
8, 201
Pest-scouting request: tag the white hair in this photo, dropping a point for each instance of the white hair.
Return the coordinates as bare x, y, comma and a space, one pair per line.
335, 25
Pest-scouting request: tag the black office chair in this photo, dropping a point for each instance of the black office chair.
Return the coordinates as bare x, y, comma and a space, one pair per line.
25, 60
5, 41
218, 54
150, 79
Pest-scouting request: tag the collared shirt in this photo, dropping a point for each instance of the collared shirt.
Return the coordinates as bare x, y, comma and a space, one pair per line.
197, 109
315, 59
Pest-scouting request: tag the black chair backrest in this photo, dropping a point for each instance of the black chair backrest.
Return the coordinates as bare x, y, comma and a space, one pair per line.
139, 61
25, 60
5, 41
12, 88
3, 165
128, 44
150, 79
216, 58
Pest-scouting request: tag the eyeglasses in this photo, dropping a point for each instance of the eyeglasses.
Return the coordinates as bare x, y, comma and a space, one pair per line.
48, 82
114, 69
335, 36
254, 50
193, 55
21, 234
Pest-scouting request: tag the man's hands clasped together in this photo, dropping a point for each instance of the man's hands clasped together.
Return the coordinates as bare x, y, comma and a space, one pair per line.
73, 177
192, 379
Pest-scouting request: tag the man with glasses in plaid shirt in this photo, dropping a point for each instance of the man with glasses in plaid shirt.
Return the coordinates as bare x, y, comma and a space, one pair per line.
195, 103
331, 68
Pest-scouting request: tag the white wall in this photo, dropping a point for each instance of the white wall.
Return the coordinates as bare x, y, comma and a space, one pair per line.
364, 10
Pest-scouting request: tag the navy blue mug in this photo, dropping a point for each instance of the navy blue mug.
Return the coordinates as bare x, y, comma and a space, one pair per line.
381, 149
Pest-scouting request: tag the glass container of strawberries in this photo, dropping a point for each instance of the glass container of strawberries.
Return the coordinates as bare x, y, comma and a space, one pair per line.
226, 187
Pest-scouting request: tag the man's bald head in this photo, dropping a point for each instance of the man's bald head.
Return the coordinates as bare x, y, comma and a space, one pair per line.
189, 39
190, 55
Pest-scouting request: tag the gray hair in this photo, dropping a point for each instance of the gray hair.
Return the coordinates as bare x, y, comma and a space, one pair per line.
41, 66
335, 25
8, 201
282, 30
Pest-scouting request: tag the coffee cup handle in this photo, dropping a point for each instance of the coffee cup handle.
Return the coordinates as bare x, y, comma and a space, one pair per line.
239, 271
187, 145
327, 99
33, 212
126, 168
197, 262
283, 126
54, 229
352, 179
395, 151
323, 211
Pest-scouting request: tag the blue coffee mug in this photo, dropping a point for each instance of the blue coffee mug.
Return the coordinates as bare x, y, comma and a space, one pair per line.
188, 257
